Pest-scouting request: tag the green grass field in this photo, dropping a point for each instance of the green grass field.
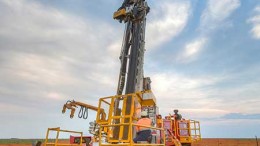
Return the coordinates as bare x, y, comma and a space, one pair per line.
19, 141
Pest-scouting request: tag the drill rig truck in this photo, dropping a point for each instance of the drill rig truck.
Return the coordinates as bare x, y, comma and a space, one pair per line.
116, 118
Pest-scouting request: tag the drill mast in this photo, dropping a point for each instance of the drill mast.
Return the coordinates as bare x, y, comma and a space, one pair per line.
131, 77
116, 117
132, 52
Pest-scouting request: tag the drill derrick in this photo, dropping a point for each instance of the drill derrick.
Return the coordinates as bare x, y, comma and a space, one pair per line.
131, 76
116, 117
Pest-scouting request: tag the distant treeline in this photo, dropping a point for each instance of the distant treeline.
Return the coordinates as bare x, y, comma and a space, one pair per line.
24, 141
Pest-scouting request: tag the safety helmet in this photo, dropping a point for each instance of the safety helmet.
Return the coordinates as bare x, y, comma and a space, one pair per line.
144, 113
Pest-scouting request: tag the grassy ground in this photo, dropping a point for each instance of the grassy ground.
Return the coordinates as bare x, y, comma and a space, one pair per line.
20, 141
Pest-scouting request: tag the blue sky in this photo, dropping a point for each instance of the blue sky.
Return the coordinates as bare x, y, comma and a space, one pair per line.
203, 58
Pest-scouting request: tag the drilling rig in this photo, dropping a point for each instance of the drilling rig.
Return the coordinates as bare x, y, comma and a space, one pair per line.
117, 115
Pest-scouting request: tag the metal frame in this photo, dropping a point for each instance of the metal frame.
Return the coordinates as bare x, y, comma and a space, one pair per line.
58, 130
192, 126
130, 142
108, 125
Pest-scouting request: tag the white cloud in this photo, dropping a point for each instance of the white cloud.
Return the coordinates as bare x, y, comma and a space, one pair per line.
255, 21
191, 50
49, 54
168, 19
213, 17
216, 13
184, 91
55, 96
46, 44
7, 108
204, 96
257, 8
169, 82
115, 48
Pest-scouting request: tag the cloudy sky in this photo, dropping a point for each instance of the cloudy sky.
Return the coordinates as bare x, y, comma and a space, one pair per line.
203, 58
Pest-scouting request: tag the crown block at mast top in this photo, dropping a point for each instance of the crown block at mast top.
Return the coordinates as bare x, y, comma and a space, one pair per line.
131, 10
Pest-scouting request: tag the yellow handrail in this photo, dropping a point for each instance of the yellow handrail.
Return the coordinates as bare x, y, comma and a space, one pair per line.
58, 130
130, 142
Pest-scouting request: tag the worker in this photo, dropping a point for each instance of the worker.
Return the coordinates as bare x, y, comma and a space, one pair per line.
177, 116
143, 133
159, 121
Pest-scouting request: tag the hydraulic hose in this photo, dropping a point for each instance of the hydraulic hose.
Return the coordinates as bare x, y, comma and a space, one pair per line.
83, 112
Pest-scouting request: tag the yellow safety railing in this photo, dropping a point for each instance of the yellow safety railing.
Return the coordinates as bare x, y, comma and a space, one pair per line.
125, 116
129, 141
124, 122
188, 131
58, 130
195, 127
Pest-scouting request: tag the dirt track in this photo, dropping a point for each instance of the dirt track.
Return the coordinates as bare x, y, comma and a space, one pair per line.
226, 142
15, 144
